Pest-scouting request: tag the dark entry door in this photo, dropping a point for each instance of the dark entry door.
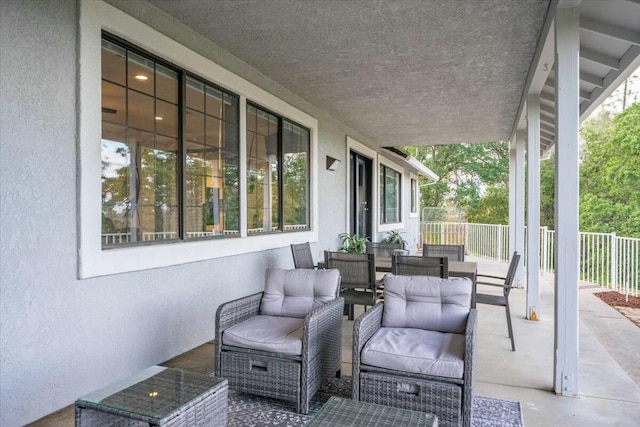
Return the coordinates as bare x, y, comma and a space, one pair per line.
361, 194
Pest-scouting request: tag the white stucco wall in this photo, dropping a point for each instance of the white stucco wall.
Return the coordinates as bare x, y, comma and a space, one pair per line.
61, 337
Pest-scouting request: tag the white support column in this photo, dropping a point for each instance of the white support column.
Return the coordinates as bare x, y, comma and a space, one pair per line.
567, 39
533, 204
516, 224
512, 195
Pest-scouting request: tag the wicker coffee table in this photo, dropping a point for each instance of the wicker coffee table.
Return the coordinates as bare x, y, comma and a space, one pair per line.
157, 396
340, 412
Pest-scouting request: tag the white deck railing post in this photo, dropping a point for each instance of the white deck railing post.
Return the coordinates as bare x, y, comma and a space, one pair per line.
614, 261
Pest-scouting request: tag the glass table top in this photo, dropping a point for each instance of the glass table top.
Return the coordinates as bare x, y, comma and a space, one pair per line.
153, 393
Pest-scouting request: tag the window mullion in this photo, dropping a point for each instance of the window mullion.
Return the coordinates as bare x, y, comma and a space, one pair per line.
280, 173
182, 164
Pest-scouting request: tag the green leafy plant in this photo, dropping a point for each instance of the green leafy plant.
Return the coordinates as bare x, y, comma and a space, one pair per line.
395, 236
353, 243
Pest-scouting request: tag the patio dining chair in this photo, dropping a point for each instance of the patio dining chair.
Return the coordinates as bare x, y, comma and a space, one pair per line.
357, 278
406, 265
506, 283
383, 250
285, 341
416, 350
453, 252
302, 257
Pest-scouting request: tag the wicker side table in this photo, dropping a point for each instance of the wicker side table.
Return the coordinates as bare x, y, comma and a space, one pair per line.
157, 396
340, 412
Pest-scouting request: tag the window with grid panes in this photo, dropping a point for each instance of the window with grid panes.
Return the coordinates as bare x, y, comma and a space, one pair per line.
277, 173
390, 192
170, 151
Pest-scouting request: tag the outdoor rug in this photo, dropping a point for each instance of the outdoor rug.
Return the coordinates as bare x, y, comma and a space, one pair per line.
254, 411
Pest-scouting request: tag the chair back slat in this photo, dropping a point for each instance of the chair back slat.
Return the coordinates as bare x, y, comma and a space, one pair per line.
420, 266
513, 267
302, 257
357, 271
383, 250
453, 252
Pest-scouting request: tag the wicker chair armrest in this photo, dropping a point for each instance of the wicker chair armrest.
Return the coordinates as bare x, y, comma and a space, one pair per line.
469, 363
363, 329
320, 322
232, 313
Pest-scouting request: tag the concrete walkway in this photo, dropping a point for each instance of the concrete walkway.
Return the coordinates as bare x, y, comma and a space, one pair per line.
609, 383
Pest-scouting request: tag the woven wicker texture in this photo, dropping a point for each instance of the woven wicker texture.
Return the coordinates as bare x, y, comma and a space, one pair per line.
453, 252
170, 398
338, 412
450, 399
291, 378
420, 265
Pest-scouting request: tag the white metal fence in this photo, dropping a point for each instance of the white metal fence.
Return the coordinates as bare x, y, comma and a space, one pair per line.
605, 259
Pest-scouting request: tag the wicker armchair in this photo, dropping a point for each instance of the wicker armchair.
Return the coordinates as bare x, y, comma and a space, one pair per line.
453, 252
420, 266
358, 278
416, 350
302, 257
283, 342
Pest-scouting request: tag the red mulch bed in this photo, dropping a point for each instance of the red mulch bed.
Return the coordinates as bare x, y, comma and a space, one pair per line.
617, 299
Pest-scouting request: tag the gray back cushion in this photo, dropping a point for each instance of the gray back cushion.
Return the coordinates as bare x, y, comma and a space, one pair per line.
294, 293
426, 302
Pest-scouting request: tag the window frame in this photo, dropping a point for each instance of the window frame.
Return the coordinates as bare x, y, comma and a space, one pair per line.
388, 226
93, 261
414, 198
281, 183
181, 180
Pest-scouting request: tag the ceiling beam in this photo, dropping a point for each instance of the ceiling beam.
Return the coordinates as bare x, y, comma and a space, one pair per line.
551, 130
591, 79
629, 62
549, 120
547, 97
547, 111
546, 134
600, 58
585, 95
609, 30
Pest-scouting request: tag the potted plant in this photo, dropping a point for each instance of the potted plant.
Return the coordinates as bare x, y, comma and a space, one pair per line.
394, 236
353, 243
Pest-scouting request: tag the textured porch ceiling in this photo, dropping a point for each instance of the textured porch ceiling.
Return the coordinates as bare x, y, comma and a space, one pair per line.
399, 72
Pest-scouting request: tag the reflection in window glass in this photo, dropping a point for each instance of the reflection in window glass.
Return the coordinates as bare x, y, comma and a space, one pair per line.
295, 143
389, 195
414, 196
262, 171
277, 173
141, 153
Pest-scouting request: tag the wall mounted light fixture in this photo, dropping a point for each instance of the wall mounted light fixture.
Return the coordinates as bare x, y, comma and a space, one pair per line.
332, 163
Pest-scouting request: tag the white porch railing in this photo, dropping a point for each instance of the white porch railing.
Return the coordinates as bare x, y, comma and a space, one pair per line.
605, 259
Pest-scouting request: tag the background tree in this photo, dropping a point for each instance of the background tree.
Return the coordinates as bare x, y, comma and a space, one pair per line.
610, 174
465, 172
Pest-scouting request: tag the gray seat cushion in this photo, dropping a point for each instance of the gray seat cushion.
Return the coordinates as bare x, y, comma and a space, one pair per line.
416, 350
275, 334
294, 293
426, 302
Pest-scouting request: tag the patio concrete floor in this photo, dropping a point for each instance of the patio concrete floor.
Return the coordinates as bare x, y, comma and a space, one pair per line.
609, 362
